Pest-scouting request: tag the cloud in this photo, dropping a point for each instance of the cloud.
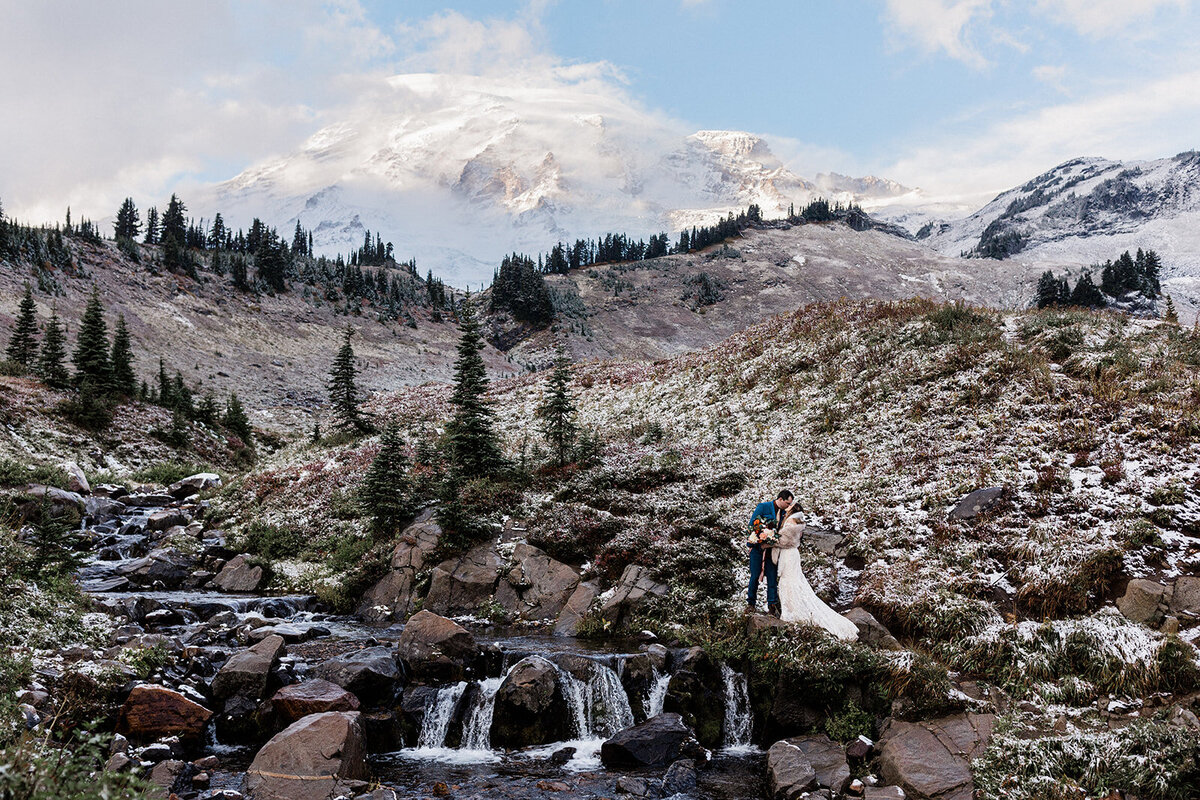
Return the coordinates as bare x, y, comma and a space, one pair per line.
1051, 75
939, 26
1098, 18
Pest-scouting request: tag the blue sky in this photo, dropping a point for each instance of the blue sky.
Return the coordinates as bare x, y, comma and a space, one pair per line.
961, 97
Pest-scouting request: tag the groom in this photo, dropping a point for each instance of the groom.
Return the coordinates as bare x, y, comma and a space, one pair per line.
760, 560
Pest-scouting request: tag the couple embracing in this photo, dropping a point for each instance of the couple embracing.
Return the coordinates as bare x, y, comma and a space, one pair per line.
775, 530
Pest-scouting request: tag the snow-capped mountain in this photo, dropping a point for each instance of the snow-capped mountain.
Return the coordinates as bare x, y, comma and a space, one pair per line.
457, 170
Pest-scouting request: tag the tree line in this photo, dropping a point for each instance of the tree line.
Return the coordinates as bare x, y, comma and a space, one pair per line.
1127, 275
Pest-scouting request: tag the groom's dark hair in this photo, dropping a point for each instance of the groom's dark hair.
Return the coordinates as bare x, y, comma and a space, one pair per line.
785, 495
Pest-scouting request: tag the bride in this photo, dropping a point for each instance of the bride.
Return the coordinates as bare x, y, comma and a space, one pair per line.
799, 602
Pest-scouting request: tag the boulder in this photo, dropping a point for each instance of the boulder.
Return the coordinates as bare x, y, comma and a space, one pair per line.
192, 484
462, 585
238, 575
789, 772
871, 631
311, 697
658, 741
246, 672
392, 597
167, 518
101, 509
756, 623
371, 673
530, 707
152, 711
828, 760
931, 760
697, 693
164, 565
168, 774
60, 500
1141, 600
1186, 597
883, 793
576, 607
635, 585
536, 587
976, 502
76, 481
314, 758
680, 777
436, 649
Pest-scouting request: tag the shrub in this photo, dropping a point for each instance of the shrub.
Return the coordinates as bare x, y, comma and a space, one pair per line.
145, 661
167, 472
89, 410
849, 723
273, 541
13, 473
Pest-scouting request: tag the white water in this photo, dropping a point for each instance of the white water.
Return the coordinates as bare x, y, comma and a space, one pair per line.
438, 716
658, 694
739, 723
600, 706
477, 727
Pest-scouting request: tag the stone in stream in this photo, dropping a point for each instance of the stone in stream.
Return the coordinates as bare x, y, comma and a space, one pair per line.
932, 759
680, 777
461, 585
436, 649
165, 565
658, 741
697, 693
167, 518
239, 575
246, 672
371, 673
169, 775
392, 596
315, 758
536, 587
530, 707
101, 509
789, 772
634, 587
192, 484
311, 697
60, 501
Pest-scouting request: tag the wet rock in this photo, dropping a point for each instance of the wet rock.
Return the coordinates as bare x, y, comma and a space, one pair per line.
76, 481
1186, 597
461, 586
314, 758
60, 501
117, 762
635, 586
789, 772
192, 484
563, 755
115, 584
415, 701
152, 711
165, 565
883, 793
637, 678
871, 631
239, 576
148, 499
576, 607
1141, 600
697, 693
657, 742
638, 787
311, 697
536, 587
828, 760
371, 673
246, 672
789, 714
680, 777
436, 649
932, 759
159, 751
530, 707
101, 509
167, 518
392, 597
244, 720
169, 774
976, 502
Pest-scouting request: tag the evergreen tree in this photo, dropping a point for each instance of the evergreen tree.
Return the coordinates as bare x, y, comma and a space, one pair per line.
57, 549
474, 447
218, 234
236, 421
385, 493
128, 224
206, 410
166, 395
91, 345
151, 226
237, 270
1151, 273
174, 236
343, 391
1047, 290
22, 345
1086, 294
52, 360
557, 412
1170, 315
124, 381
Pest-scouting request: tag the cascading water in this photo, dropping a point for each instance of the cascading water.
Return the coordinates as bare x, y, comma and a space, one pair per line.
739, 723
599, 706
657, 694
438, 716
477, 727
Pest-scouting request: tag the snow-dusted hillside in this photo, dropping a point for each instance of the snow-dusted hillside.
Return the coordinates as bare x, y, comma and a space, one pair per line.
1089, 209
457, 170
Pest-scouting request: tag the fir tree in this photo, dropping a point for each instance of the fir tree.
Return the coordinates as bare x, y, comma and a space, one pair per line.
128, 224
56, 548
151, 226
1086, 294
1047, 290
52, 360
124, 381
206, 410
1170, 315
557, 412
174, 236
343, 390
236, 421
91, 345
474, 447
22, 345
385, 493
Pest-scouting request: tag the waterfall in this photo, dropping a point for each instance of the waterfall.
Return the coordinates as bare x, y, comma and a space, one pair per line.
576, 696
477, 727
739, 723
599, 706
658, 693
438, 715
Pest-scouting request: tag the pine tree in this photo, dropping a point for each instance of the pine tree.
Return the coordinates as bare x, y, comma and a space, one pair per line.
236, 421
151, 226
385, 493
206, 410
124, 381
557, 412
1086, 294
474, 447
1170, 315
22, 346
174, 236
91, 345
52, 360
218, 234
343, 391
57, 549
1047, 290
128, 224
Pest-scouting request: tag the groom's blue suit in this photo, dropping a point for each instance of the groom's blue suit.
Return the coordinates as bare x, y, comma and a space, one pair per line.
760, 560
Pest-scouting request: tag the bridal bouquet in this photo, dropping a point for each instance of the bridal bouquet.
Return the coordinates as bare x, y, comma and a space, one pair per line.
763, 532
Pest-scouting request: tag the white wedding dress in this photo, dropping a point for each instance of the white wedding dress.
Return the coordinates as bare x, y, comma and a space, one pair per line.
799, 603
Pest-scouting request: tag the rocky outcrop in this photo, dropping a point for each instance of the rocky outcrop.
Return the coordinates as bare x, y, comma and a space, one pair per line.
246, 673
435, 649
828, 760
314, 758
658, 741
371, 673
932, 760
239, 576
576, 607
152, 711
1144, 601
60, 501
536, 587
76, 481
871, 631
976, 502
201, 481
789, 772
1185, 598
462, 585
635, 586
392, 597
165, 519
530, 707
165, 565
315, 696
697, 693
